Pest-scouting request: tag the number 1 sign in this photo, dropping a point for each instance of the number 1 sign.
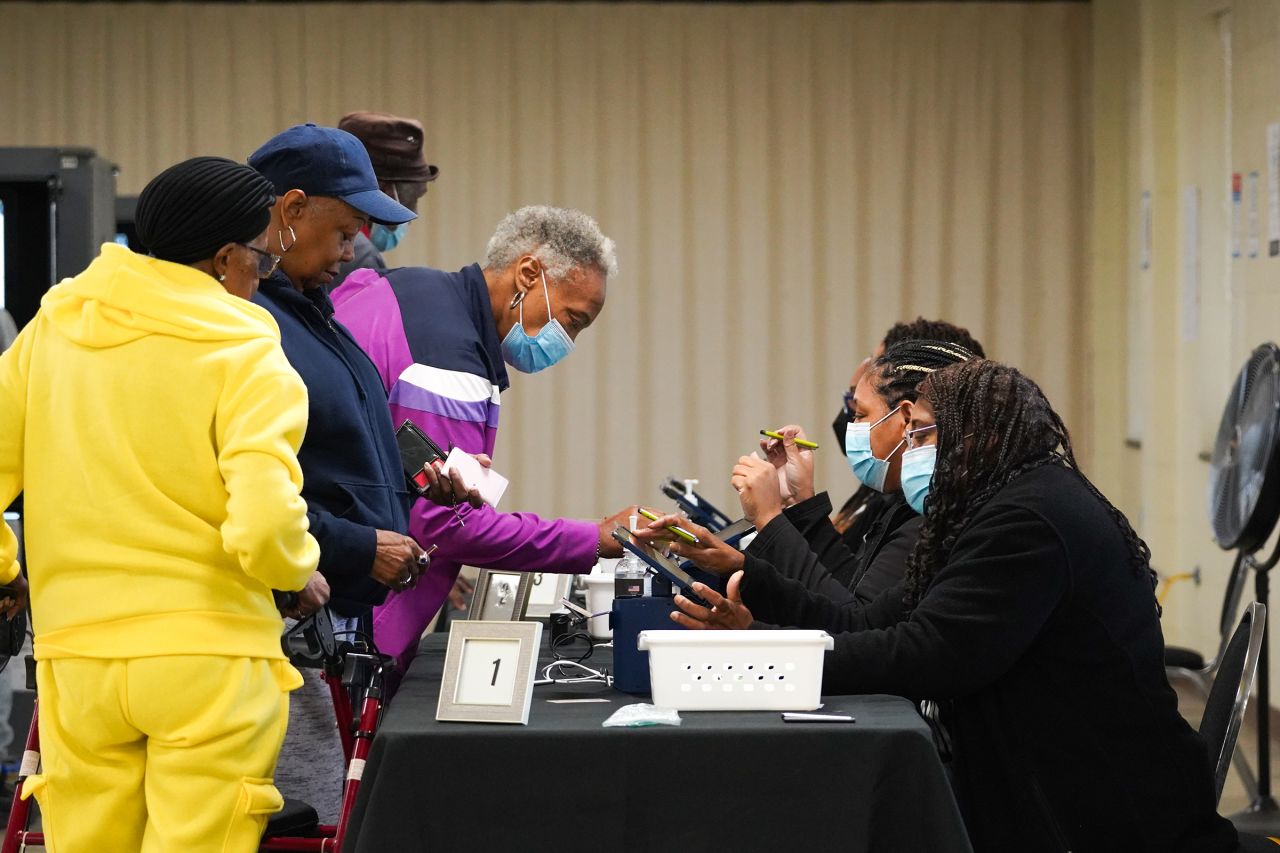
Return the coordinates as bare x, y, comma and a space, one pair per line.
488, 672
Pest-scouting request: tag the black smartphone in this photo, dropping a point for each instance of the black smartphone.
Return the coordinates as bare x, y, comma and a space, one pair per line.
417, 450
659, 562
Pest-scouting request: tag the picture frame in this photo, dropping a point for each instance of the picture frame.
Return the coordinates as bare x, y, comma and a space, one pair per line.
500, 596
489, 672
545, 591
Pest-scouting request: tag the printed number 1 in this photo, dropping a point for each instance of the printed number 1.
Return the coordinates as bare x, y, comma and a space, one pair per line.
496, 664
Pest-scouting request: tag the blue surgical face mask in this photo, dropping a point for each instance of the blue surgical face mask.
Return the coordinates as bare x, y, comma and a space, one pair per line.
385, 239
857, 449
917, 474
531, 354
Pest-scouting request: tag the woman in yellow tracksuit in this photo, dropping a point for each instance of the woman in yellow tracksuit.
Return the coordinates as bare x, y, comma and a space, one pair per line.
151, 417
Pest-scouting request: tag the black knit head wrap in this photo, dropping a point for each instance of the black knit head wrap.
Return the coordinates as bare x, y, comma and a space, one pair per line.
190, 211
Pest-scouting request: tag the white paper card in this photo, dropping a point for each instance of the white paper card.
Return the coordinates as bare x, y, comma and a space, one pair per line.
1273, 189
487, 675
488, 482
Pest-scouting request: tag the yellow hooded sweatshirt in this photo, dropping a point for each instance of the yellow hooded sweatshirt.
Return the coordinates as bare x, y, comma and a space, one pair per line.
154, 422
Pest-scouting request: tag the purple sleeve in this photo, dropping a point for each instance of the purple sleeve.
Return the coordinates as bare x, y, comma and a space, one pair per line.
372, 316
484, 538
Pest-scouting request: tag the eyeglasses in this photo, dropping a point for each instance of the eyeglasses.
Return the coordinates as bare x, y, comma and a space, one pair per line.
915, 437
267, 262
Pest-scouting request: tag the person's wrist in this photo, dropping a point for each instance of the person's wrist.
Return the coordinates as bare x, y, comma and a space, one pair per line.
765, 516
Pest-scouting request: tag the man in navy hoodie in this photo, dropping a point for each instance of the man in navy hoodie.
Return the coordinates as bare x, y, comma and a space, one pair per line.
353, 483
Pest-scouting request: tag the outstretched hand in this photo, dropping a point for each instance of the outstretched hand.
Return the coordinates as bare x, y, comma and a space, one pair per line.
709, 553
727, 612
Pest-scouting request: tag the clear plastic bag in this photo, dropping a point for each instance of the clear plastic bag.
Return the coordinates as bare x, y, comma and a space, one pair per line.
643, 714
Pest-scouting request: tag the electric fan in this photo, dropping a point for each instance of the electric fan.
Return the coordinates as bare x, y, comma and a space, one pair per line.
1244, 506
1244, 477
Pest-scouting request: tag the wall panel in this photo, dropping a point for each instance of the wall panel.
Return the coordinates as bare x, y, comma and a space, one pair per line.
783, 183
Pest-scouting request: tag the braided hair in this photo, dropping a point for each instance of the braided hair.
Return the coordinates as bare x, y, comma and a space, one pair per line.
896, 375
921, 329
994, 424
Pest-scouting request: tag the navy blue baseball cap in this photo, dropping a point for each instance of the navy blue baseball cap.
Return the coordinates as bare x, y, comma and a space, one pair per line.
326, 161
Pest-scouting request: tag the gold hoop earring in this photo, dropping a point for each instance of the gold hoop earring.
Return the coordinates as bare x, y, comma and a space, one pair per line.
293, 238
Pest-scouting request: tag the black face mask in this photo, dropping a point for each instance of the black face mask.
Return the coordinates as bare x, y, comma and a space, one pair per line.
841, 425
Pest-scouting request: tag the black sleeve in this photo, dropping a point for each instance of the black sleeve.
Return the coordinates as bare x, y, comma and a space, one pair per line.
779, 600
1007, 573
781, 546
812, 518
889, 564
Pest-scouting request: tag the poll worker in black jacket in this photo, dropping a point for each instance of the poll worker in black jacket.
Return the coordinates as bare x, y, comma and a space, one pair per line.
804, 546
857, 515
1028, 611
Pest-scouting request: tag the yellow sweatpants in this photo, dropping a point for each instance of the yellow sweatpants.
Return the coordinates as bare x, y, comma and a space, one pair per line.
161, 754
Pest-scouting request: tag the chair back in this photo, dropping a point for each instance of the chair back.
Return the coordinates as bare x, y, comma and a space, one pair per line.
1229, 696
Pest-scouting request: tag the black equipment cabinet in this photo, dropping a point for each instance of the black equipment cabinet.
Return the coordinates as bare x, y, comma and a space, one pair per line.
58, 209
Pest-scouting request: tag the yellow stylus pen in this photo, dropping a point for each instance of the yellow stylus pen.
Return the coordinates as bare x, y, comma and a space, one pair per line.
800, 442
679, 531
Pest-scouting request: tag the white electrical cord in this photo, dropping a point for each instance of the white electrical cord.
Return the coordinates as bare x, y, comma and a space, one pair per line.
593, 674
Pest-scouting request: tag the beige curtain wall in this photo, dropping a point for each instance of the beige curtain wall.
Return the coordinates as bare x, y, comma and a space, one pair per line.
783, 182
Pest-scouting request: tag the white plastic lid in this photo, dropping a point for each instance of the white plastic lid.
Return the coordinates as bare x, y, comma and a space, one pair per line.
787, 637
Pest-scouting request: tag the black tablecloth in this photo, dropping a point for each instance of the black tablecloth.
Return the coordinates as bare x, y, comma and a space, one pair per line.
722, 781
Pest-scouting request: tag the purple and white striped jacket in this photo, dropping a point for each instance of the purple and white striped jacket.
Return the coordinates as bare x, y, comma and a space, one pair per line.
432, 336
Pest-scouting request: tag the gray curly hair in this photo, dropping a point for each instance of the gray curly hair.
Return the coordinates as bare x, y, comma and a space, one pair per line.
562, 239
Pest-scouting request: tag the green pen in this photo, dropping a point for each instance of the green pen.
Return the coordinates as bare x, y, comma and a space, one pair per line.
800, 442
679, 531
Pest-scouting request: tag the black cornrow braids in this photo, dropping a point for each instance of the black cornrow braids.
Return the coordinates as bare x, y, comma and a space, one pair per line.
896, 375
1013, 430
921, 329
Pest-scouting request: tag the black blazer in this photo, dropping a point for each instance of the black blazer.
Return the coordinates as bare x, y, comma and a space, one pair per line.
801, 551
1045, 650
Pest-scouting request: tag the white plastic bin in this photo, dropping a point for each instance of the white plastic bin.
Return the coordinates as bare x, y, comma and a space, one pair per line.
599, 600
736, 670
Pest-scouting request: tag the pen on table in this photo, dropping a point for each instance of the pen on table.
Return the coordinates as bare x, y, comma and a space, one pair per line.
679, 531
800, 442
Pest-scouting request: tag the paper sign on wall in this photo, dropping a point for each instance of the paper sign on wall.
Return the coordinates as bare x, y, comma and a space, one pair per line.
1273, 189
1190, 263
1252, 215
1235, 214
